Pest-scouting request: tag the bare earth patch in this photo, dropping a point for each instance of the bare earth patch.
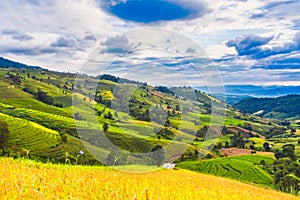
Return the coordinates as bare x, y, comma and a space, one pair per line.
244, 132
238, 151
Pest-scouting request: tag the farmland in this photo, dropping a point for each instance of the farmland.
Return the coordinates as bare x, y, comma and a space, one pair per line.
24, 179
51, 117
247, 168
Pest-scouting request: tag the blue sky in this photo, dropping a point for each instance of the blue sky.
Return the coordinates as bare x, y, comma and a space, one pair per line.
249, 41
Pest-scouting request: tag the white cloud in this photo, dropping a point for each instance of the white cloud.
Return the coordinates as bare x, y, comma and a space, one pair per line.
44, 32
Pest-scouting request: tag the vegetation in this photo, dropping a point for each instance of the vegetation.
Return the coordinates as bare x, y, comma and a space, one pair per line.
53, 117
248, 168
280, 108
4, 136
157, 155
24, 179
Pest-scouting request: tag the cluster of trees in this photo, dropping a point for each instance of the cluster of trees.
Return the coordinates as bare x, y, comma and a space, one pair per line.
118, 80
44, 97
15, 78
165, 133
286, 170
289, 105
164, 89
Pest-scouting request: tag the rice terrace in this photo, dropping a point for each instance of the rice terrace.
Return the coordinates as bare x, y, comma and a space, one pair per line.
150, 100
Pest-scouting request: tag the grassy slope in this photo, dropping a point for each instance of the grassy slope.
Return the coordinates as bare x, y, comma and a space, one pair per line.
23, 179
128, 133
243, 168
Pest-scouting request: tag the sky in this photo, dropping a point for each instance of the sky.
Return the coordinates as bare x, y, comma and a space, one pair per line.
169, 42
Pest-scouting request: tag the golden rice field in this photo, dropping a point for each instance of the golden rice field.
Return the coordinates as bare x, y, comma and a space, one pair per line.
24, 179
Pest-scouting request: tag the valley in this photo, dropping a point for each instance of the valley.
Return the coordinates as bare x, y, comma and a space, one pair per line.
75, 119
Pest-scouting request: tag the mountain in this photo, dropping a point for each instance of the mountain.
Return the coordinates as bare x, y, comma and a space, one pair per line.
53, 117
280, 107
5, 63
55, 106
236, 93
261, 91
232, 98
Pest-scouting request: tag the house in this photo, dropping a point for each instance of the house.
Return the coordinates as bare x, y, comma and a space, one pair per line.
169, 166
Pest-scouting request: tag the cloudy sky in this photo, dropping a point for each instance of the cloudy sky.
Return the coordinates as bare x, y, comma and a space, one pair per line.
238, 41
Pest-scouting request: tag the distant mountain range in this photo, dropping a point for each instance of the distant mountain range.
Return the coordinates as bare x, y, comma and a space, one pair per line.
234, 93
5, 63
280, 107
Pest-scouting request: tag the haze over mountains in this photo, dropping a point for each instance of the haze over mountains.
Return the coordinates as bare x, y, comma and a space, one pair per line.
234, 93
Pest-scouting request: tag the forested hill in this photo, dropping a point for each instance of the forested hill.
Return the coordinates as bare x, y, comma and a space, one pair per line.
281, 107
5, 63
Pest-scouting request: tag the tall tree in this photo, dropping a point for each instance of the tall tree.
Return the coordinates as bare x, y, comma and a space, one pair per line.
4, 136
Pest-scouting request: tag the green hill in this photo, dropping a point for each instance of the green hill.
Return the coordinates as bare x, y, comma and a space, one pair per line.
53, 116
138, 116
280, 108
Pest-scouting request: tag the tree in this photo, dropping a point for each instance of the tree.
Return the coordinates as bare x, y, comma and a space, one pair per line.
266, 146
108, 115
15, 79
167, 123
202, 132
227, 145
105, 127
278, 154
293, 130
237, 140
77, 116
157, 155
4, 136
220, 146
247, 126
288, 150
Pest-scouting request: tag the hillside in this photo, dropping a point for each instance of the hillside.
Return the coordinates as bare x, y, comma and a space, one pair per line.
155, 114
5, 63
24, 179
279, 108
246, 168
78, 119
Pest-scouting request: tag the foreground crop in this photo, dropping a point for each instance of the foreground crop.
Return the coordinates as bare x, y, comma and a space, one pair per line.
23, 179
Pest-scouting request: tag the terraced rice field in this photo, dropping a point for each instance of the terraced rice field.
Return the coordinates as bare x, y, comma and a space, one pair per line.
242, 168
29, 135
